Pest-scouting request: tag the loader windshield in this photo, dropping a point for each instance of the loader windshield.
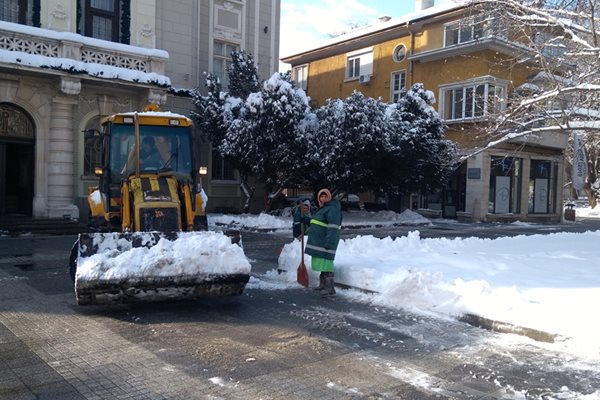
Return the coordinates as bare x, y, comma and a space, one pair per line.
162, 148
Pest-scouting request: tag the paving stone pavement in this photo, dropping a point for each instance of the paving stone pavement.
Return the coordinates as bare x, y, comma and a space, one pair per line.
280, 344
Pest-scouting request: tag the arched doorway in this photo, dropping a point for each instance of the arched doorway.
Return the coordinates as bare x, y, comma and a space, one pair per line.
17, 160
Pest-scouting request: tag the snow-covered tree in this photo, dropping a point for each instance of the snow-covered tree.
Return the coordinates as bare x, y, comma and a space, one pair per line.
268, 139
419, 158
364, 144
348, 143
243, 75
208, 115
559, 40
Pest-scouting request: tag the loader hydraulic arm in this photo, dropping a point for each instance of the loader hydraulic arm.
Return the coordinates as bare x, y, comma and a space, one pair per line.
187, 206
126, 223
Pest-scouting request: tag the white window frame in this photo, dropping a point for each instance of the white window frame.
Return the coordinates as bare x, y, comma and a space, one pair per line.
359, 63
224, 60
400, 77
465, 96
301, 76
467, 29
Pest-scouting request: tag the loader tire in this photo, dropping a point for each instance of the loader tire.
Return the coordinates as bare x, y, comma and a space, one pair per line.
73, 260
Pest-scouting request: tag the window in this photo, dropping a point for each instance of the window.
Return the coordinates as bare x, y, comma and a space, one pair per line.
301, 76
505, 187
104, 19
17, 11
473, 100
222, 60
465, 30
92, 149
550, 46
359, 63
542, 187
221, 168
399, 53
398, 83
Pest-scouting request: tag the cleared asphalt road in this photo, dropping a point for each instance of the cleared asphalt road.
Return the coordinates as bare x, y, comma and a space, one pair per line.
266, 344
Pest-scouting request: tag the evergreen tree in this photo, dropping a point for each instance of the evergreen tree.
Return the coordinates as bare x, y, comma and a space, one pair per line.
349, 143
243, 75
209, 117
419, 158
267, 139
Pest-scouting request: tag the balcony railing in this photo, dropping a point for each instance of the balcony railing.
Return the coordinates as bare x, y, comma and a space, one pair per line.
80, 49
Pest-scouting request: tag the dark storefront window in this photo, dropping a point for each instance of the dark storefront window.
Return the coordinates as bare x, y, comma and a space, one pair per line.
505, 187
542, 187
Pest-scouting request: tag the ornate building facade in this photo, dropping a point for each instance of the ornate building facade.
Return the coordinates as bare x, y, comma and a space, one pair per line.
65, 64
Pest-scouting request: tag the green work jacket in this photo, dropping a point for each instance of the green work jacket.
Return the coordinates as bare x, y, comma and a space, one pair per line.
324, 233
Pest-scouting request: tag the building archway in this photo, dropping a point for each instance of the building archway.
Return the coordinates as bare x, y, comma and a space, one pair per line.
17, 160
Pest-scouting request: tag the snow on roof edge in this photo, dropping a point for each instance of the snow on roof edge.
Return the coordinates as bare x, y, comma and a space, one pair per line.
363, 31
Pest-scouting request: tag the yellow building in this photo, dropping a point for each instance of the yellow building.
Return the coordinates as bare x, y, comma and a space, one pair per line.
467, 62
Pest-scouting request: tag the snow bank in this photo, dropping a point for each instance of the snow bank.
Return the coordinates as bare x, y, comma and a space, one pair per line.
544, 282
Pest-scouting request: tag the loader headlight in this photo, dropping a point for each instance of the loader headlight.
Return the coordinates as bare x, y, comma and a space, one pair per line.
98, 171
174, 122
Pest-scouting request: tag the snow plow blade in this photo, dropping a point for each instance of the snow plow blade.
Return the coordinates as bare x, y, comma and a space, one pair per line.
154, 266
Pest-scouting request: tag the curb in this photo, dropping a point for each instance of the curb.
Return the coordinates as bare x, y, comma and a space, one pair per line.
486, 323
503, 327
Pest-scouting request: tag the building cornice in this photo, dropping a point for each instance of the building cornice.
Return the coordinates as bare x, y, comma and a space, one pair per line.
393, 29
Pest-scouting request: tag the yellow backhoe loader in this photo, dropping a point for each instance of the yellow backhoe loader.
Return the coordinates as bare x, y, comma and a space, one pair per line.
148, 235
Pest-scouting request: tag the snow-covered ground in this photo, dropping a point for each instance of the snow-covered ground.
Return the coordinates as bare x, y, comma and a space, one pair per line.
548, 282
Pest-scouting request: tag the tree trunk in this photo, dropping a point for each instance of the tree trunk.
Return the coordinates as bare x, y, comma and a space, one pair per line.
271, 197
248, 192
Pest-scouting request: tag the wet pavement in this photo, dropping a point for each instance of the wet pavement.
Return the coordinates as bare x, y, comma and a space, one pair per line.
269, 343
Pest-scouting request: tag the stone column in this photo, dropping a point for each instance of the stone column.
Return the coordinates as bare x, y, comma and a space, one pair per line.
60, 161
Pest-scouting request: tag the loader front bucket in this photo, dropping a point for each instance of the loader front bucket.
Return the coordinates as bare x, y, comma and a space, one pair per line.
151, 266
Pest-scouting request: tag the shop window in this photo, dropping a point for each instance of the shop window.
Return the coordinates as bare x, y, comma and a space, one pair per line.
542, 187
505, 185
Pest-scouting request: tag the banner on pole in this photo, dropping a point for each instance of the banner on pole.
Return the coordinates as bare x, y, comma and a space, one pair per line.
579, 170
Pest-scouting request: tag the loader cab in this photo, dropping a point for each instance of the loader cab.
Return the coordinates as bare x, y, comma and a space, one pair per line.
165, 148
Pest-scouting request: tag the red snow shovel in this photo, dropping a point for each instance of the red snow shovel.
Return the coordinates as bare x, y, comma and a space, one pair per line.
302, 273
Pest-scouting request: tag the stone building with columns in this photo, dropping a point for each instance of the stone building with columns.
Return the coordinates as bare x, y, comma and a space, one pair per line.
65, 64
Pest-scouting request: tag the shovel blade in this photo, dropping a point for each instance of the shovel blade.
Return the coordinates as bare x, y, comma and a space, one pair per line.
302, 275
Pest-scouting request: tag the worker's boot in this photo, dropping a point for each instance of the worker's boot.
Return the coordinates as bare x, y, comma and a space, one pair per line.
321, 281
329, 285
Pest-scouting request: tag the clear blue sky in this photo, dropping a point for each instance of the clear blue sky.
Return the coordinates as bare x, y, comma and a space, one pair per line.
306, 22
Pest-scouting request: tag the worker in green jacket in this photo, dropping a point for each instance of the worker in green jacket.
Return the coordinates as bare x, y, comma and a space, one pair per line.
323, 239
301, 215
